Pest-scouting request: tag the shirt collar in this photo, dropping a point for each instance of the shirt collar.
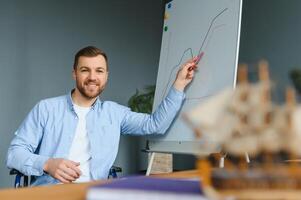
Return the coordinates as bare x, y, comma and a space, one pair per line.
71, 104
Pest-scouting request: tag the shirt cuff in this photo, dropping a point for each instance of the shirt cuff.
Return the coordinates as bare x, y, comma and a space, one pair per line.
39, 164
176, 94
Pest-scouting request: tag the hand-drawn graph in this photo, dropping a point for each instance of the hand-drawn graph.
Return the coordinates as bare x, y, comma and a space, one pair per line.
200, 53
191, 28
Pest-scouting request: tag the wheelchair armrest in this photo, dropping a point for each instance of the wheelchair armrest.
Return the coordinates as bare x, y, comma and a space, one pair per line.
18, 178
117, 169
15, 172
113, 171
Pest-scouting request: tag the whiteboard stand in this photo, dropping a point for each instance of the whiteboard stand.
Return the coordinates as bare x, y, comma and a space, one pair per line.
150, 163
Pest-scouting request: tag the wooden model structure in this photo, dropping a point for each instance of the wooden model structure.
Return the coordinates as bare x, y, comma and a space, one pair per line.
245, 121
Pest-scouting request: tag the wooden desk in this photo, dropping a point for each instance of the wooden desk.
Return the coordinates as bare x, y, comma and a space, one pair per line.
67, 191
78, 191
75, 191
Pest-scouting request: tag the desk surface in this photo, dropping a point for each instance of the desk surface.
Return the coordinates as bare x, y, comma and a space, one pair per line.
78, 191
75, 191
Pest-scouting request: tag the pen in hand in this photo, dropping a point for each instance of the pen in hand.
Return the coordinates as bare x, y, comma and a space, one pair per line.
196, 60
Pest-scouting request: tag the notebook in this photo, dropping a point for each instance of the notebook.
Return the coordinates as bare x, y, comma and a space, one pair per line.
147, 188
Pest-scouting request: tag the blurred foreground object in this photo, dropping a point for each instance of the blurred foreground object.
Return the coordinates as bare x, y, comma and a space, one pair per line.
295, 76
246, 120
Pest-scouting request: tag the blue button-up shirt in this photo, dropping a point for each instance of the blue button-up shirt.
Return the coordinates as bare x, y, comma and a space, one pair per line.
48, 131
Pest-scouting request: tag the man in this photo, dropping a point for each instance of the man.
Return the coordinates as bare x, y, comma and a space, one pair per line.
75, 137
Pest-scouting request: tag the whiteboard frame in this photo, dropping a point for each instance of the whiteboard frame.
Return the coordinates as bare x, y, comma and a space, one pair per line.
201, 147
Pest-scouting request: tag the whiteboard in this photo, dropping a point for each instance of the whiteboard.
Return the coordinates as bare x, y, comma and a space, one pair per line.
191, 27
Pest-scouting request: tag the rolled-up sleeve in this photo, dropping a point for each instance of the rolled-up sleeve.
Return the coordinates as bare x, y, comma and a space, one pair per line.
21, 153
159, 121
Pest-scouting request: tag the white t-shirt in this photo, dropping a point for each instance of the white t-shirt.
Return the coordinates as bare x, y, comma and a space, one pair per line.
80, 148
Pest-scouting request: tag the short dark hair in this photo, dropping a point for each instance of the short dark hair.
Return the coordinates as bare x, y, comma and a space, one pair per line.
89, 51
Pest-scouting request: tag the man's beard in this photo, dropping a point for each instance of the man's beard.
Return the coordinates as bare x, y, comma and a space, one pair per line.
85, 93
